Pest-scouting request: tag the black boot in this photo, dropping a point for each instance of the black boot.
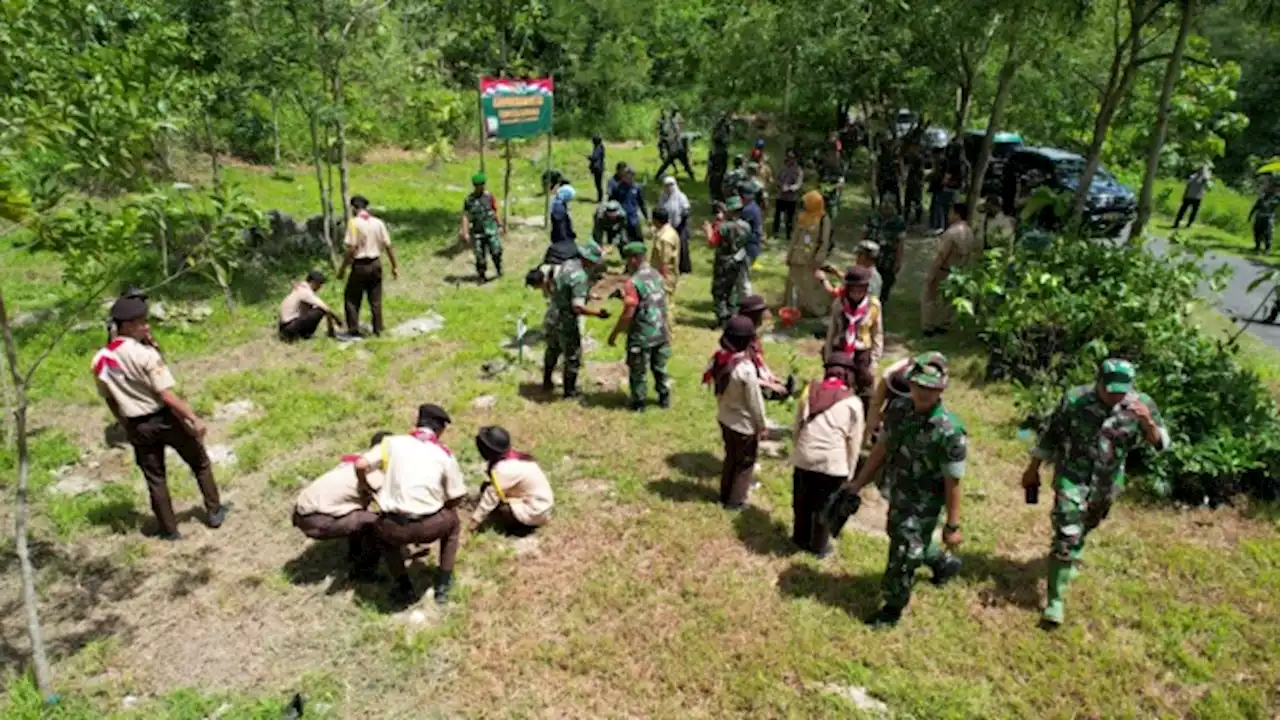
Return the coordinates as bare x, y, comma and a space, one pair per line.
664, 400
403, 595
570, 385
547, 383
637, 406
480, 275
884, 618
948, 567
497, 266
444, 585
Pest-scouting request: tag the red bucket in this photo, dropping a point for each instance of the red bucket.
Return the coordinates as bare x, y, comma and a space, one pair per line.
789, 316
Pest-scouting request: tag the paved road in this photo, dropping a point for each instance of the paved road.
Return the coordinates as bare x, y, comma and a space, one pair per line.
1236, 300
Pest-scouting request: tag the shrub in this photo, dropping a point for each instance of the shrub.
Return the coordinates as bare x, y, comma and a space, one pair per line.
1049, 317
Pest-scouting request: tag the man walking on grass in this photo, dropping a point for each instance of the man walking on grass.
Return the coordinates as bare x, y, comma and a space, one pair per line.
1197, 184
367, 239
482, 227
922, 451
1087, 439
138, 388
644, 320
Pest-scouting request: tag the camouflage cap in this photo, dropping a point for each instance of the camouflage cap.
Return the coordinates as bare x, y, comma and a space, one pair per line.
929, 370
591, 252
750, 189
478, 179
634, 248
613, 206
1117, 375
733, 204
869, 247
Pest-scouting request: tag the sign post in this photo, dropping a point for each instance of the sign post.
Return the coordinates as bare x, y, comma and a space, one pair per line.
515, 108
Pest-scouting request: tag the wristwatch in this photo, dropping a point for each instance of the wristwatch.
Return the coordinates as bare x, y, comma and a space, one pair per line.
951, 528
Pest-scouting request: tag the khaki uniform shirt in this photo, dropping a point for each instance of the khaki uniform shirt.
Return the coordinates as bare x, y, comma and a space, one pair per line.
526, 489
665, 257
741, 407
301, 295
996, 231
368, 236
421, 476
133, 375
336, 492
829, 443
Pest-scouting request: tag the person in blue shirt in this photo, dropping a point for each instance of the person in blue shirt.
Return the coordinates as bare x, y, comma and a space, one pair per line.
614, 181
561, 220
595, 163
631, 197
754, 217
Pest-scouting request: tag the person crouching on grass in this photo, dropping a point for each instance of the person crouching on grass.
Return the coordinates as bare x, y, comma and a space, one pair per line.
335, 505
741, 409
421, 488
517, 496
828, 437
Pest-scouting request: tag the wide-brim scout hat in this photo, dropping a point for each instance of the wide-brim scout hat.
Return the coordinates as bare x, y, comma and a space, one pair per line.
494, 438
128, 308
752, 304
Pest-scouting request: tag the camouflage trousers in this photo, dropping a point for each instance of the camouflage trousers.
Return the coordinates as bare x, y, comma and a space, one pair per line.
640, 360
726, 289
935, 312
1077, 510
565, 338
910, 546
831, 193
490, 244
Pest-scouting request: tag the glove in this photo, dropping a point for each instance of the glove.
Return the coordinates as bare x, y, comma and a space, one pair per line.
841, 506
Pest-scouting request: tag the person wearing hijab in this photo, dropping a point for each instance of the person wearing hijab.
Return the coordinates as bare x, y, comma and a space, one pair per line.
856, 328
741, 409
561, 220
516, 496
807, 256
678, 211
828, 437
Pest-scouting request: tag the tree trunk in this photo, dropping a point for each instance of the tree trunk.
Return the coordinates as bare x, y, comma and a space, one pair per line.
964, 99
340, 139
39, 660
978, 173
1171, 74
213, 151
318, 162
275, 130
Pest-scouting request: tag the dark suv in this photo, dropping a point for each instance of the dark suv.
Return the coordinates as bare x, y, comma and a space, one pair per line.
1004, 144
1110, 205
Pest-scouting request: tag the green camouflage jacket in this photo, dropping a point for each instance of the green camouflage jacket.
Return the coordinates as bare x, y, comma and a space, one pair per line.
571, 286
648, 326
734, 236
922, 448
482, 214
885, 233
606, 230
1087, 442
733, 180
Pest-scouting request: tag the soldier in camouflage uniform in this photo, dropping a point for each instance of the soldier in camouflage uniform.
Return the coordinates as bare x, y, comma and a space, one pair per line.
1263, 215
610, 227
1087, 440
752, 185
734, 179
888, 230
482, 227
730, 261
569, 300
922, 451
644, 319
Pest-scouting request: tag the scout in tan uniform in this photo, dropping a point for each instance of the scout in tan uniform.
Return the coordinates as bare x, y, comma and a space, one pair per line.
516, 493
665, 256
303, 310
421, 487
133, 380
367, 239
957, 247
334, 506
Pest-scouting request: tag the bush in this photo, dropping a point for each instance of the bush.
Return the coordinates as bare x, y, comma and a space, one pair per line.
1048, 318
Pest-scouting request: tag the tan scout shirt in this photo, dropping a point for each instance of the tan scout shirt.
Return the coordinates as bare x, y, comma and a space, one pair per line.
829, 443
420, 474
133, 375
301, 295
336, 492
525, 488
665, 257
368, 236
742, 404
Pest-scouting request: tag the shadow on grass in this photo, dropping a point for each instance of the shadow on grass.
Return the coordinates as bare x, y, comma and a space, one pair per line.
323, 560
684, 491
1012, 582
857, 595
533, 392
701, 464
763, 535
424, 224
609, 400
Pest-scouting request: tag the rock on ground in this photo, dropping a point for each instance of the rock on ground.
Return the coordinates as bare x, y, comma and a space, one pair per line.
73, 485
484, 402
772, 448
424, 325
526, 546
221, 454
860, 698
234, 410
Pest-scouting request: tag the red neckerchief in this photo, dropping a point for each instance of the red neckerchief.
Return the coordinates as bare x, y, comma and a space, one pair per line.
511, 455
106, 359
430, 438
363, 215
825, 394
854, 316
721, 366
756, 154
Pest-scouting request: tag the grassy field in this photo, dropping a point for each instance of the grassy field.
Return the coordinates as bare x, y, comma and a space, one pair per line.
1222, 224
642, 598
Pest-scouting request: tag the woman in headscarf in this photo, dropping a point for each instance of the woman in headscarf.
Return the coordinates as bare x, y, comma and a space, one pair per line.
561, 220
828, 436
741, 409
807, 256
678, 210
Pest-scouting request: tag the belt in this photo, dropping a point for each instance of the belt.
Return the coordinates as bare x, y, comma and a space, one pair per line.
365, 261
157, 415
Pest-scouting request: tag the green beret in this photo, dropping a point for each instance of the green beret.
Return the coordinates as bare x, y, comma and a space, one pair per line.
478, 179
733, 203
634, 248
591, 252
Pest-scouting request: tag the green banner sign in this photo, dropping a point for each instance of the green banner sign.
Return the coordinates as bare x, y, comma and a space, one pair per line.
516, 108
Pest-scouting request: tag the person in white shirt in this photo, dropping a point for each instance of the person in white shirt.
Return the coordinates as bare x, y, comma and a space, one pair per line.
740, 401
302, 310
517, 494
828, 437
422, 485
